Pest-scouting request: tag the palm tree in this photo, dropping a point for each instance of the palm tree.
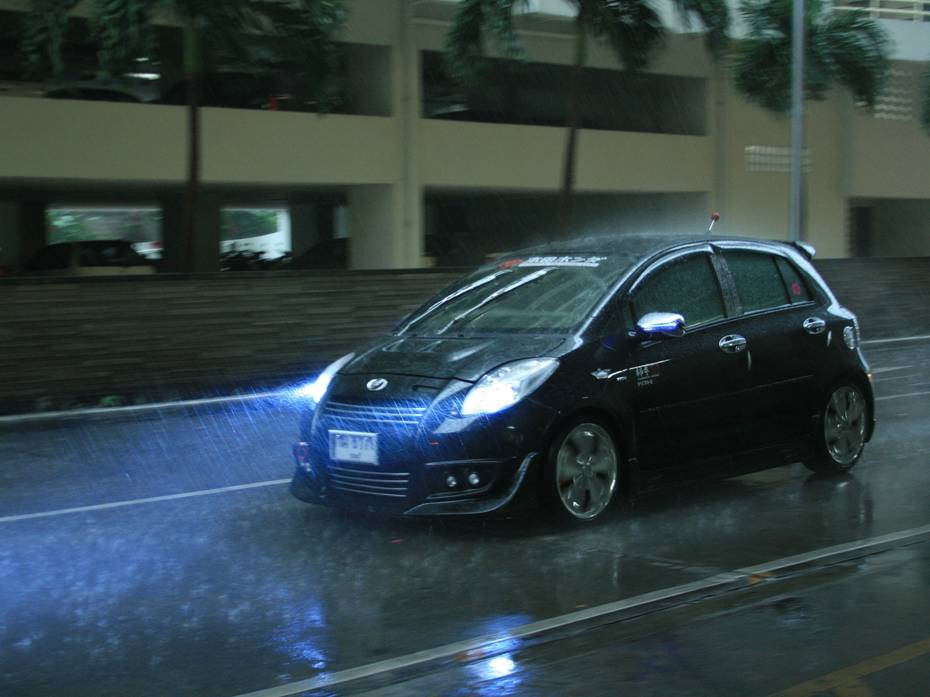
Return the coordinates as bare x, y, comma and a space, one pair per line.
842, 48
303, 32
631, 28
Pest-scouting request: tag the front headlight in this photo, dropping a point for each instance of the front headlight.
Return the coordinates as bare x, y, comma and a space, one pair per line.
316, 390
507, 385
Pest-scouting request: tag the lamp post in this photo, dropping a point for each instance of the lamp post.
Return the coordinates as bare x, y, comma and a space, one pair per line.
797, 122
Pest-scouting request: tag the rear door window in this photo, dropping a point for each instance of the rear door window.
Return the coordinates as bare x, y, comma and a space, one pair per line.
758, 280
688, 287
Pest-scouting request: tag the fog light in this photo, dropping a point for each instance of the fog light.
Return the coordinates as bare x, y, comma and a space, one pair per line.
451, 481
302, 456
474, 479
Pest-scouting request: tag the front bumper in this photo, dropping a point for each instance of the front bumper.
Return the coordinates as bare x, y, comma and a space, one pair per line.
512, 492
430, 459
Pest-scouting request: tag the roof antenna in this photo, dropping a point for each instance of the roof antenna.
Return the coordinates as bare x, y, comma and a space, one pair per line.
714, 217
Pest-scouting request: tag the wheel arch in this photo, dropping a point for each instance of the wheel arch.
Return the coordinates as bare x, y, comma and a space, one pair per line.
619, 425
861, 380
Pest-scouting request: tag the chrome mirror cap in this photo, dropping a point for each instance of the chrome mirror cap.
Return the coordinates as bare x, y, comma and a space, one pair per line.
661, 323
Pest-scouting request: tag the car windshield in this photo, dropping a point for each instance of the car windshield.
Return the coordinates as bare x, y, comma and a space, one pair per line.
551, 293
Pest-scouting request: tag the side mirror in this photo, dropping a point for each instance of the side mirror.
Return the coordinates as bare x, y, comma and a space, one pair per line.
660, 324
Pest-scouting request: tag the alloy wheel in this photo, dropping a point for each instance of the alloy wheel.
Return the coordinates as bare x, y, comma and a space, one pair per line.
844, 424
586, 471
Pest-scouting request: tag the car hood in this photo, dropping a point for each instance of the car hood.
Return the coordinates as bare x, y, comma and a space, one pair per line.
461, 358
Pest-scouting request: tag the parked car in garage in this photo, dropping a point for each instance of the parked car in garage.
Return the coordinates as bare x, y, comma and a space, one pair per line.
325, 254
236, 89
582, 370
88, 258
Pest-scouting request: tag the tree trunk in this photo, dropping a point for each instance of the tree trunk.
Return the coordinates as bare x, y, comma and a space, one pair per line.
193, 79
566, 197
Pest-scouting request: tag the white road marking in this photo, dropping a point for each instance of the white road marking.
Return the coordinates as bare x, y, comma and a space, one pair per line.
902, 396
106, 411
879, 371
486, 646
136, 502
875, 342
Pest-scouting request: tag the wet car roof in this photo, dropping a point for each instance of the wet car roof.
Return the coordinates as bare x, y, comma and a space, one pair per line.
639, 244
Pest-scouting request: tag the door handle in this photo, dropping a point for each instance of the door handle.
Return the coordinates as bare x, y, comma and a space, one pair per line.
814, 325
732, 343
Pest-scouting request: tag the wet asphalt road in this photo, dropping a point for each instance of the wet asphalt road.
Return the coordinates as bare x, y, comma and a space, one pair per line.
245, 589
855, 629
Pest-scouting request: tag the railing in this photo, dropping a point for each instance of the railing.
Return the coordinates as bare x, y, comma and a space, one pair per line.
907, 10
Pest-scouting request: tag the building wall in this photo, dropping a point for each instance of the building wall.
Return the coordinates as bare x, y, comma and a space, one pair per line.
491, 156
85, 141
890, 157
755, 203
54, 145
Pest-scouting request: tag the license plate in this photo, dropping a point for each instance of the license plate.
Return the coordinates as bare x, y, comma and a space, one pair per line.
350, 446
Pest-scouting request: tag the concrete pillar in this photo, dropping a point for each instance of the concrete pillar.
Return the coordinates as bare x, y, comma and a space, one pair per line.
304, 230
375, 221
206, 244
386, 221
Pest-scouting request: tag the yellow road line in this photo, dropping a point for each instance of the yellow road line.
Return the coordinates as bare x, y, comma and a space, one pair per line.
846, 682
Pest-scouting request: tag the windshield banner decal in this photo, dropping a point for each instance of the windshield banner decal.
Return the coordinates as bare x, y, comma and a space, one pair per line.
590, 262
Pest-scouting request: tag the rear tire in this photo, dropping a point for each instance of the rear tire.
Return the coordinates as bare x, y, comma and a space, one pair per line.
843, 424
582, 471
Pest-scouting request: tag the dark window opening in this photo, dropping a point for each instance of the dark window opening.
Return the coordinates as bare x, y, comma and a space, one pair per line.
537, 94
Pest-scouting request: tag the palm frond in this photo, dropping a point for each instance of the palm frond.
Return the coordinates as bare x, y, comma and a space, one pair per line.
714, 16
43, 31
858, 50
763, 74
465, 44
841, 48
632, 28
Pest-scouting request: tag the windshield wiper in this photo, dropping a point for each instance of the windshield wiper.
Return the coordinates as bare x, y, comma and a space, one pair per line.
497, 294
452, 296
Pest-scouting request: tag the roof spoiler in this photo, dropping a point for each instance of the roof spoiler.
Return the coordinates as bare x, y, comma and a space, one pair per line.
805, 248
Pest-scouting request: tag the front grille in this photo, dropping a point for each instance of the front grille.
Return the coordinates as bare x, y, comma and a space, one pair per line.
376, 413
357, 481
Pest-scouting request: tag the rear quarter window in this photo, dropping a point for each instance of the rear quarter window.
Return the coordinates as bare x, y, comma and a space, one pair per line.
798, 288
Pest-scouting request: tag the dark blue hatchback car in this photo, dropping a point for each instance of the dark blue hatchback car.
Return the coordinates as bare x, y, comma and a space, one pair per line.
569, 373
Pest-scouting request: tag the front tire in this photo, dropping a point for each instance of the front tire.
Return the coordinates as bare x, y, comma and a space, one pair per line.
843, 425
582, 471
